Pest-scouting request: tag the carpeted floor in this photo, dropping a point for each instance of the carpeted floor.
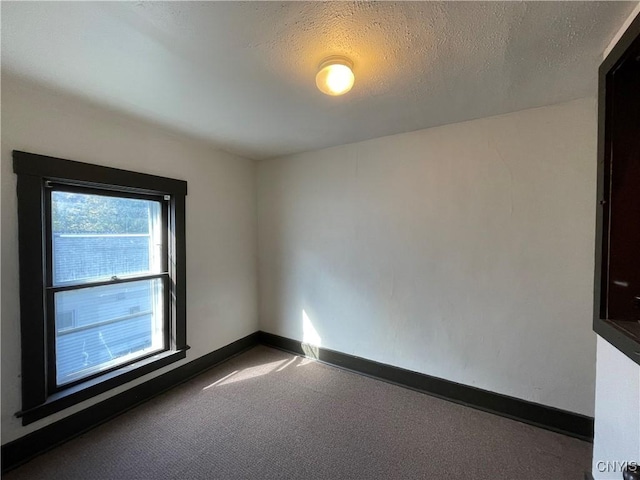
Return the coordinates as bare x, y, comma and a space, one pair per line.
269, 414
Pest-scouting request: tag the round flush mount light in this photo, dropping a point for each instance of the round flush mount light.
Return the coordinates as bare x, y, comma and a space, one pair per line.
335, 76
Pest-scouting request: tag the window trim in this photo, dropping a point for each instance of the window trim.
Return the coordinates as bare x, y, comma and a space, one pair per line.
606, 328
33, 172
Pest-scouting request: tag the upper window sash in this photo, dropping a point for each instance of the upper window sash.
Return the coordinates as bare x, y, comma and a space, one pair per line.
157, 233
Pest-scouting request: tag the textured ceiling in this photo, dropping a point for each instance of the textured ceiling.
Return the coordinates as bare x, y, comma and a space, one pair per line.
241, 74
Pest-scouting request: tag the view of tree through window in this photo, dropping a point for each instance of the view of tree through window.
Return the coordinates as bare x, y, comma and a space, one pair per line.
76, 213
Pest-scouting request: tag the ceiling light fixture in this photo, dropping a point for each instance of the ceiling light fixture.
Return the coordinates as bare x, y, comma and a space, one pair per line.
335, 76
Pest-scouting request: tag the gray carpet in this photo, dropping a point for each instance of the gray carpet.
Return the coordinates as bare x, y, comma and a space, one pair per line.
268, 414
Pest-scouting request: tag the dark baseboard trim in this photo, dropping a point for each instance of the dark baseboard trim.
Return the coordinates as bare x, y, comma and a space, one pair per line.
550, 418
25, 448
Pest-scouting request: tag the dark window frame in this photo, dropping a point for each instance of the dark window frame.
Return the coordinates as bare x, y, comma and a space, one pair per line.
610, 330
34, 173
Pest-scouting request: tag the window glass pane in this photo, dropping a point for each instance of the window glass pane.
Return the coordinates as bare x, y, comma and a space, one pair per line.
100, 327
96, 237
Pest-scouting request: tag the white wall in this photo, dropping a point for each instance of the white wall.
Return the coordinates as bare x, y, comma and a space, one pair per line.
463, 251
617, 435
221, 220
617, 409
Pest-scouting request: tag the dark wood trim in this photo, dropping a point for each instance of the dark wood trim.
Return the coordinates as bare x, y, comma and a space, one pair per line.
40, 394
618, 338
631, 472
602, 208
87, 174
550, 418
620, 48
48, 315
178, 267
23, 449
32, 292
96, 385
601, 325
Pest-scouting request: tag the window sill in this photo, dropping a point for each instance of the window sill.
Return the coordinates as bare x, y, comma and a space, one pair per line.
621, 336
86, 390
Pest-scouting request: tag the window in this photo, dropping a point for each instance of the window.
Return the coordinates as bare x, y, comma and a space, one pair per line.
617, 276
108, 256
102, 278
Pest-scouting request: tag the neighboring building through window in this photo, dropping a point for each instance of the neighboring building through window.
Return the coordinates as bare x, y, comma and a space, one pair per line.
102, 253
113, 241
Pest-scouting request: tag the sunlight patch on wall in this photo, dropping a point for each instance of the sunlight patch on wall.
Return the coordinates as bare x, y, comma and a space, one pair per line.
311, 340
